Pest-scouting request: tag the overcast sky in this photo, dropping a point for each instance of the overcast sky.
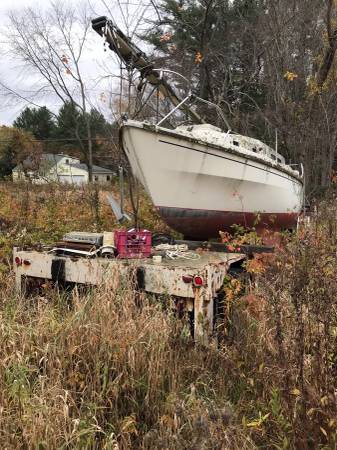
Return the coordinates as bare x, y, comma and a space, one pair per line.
8, 109
16, 75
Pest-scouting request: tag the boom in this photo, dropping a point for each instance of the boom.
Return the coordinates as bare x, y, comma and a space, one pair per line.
135, 58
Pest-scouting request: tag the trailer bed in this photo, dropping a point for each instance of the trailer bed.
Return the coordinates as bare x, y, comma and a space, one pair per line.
172, 277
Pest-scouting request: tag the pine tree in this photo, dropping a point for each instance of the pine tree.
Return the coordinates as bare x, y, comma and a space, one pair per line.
71, 131
214, 44
39, 121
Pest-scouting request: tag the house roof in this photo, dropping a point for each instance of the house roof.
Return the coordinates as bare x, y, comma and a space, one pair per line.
56, 157
50, 158
95, 169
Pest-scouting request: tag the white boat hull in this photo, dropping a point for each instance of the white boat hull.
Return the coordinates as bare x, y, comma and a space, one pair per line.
199, 189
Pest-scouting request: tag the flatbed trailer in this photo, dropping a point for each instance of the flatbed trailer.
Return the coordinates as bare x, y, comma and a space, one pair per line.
193, 283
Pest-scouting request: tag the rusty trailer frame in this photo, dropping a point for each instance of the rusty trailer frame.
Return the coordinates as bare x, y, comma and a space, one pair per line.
167, 277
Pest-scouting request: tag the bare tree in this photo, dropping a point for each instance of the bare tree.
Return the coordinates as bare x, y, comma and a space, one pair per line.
299, 82
330, 50
131, 18
51, 43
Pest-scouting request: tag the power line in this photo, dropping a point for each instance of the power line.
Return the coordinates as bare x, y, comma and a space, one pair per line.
65, 140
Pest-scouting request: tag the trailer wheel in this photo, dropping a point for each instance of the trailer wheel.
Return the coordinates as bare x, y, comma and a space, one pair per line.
31, 286
224, 312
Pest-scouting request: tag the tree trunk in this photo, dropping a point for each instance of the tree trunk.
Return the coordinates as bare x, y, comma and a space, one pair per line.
89, 137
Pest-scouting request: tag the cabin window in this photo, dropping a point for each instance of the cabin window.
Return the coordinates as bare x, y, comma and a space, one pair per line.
279, 160
67, 161
96, 178
236, 143
108, 178
272, 156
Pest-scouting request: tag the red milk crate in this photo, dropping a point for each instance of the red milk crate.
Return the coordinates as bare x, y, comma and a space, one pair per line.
133, 243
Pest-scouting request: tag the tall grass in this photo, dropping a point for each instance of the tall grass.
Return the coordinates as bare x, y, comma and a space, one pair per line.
115, 369
101, 371
30, 214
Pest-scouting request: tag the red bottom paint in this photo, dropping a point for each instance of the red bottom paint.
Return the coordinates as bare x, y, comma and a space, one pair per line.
201, 224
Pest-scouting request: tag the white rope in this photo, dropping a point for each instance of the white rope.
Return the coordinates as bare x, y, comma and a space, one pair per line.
164, 247
177, 251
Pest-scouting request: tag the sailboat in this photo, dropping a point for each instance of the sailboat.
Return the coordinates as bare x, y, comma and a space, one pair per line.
203, 179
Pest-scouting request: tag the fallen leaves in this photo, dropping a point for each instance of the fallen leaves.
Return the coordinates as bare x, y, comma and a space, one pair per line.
290, 76
198, 58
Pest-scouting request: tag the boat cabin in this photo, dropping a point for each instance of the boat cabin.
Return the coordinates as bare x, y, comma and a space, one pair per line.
256, 146
214, 135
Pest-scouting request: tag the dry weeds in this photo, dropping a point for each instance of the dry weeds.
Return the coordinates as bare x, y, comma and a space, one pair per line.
101, 370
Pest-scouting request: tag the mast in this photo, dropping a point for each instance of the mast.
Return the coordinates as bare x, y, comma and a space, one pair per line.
135, 58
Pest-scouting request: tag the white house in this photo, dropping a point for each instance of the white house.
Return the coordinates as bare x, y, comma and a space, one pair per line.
59, 168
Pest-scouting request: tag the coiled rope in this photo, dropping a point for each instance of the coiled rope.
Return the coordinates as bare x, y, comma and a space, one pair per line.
177, 251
